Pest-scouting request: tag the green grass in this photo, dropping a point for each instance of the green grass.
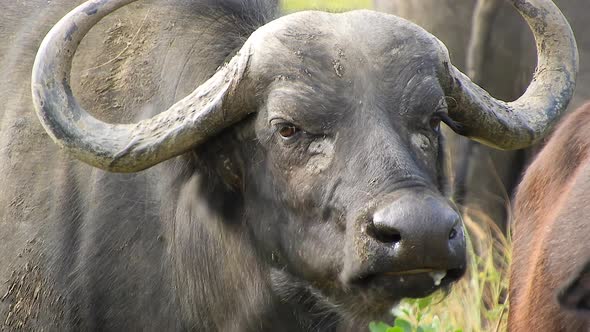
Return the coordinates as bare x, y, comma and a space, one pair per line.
330, 5
476, 303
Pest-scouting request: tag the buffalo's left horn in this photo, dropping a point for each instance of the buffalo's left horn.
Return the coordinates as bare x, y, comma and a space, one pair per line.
125, 147
518, 124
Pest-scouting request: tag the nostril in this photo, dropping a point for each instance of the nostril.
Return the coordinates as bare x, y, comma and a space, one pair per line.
384, 234
453, 233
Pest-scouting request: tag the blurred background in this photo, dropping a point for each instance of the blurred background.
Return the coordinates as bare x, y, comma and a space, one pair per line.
331, 5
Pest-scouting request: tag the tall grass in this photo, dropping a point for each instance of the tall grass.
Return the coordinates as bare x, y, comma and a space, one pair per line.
479, 302
330, 5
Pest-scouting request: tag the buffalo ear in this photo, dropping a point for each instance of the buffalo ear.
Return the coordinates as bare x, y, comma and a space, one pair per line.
228, 163
575, 294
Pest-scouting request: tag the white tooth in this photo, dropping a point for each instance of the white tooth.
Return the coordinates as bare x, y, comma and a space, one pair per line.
437, 276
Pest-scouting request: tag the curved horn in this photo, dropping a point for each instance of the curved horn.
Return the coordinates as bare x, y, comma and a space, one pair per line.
124, 147
518, 124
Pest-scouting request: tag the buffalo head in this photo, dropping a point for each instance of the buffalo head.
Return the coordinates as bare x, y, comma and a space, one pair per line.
343, 145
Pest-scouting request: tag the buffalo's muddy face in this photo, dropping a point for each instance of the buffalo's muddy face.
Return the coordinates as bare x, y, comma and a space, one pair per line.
341, 179
352, 164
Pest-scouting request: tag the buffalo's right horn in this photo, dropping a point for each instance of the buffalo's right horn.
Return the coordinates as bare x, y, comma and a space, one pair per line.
125, 147
518, 124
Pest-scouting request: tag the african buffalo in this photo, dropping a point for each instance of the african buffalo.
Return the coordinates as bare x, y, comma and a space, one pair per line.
485, 178
551, 235
299, 187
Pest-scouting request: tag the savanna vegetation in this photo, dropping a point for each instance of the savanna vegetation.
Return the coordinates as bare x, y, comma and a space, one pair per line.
330, 5
479, 301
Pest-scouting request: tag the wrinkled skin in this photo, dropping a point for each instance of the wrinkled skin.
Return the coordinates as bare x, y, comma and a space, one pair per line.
484, 178
385, 138
251, 231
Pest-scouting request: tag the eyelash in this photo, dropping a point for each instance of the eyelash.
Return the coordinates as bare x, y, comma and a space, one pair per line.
446, 119
435, 121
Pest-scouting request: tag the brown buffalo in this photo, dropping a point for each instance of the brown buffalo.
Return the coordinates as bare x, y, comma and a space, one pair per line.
551, 233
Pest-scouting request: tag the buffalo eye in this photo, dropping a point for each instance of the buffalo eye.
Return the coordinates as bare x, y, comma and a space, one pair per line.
288, 131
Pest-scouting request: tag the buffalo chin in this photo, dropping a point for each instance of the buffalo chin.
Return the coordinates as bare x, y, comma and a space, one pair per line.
407, 285
369, 299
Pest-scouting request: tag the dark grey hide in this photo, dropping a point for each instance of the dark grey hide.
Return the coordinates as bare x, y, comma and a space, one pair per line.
325, 230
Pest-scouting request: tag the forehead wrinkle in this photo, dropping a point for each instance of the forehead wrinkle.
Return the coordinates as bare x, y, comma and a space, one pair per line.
303, 104
316, 43
315, 92
416, 77
304, 59
395, 63
421, 95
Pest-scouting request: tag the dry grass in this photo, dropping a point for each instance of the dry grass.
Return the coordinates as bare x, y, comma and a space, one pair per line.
329, 5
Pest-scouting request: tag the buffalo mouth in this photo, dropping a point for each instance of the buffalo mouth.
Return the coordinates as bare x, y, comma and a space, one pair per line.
414, 283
